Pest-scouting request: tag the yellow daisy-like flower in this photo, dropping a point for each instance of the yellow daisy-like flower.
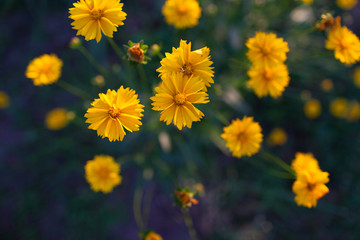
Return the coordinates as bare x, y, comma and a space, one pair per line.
304, 161
265, 80
114, 111
345, 44
44, 70
357, 77
153, 236
266, 49
338, 107
243, 137
346, 4
4, 100
57, 119
277, 137
102, 173
183, 60
312, 108
91, 17
176, 96
182, 13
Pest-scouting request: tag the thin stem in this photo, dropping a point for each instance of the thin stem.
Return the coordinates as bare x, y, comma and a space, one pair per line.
142, 76
137, 208
189, 223
116, 48
93, 61
273, 172
274, 159
147, 199
73, 90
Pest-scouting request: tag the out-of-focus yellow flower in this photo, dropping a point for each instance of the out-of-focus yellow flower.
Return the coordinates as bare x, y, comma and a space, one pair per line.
188, 62
310, 181
266, 49
308, 1
102, 173
304, 161
357, 77
353, 113
44, 70
346, 4
114, 111
152, 236
243, 137
265, 80
182, 13
312, 108
326, 85
345, 44
4, 100
338, 107
91, 17
277, 137
57, 118
176, 96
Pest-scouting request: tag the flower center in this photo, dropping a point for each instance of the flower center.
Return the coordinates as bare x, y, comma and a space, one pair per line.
310, 186
103, 173
114, 112
181, 9
267, 74
187, 69
241, 137
96, 14
343, 45
180, 98
265, 51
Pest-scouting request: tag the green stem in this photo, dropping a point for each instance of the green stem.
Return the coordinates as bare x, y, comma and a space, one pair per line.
116, 48
137, 208
274, 159
142, 76
270, 171
189, 223
160, 55
73, 90
93, 61
147, 199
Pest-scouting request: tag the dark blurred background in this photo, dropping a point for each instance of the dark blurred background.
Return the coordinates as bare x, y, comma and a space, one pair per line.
43, 192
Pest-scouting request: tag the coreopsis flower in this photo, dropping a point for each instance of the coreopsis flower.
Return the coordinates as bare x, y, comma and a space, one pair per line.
345, 44
357, 77
277, 137
44, 70
310, 181
152, 236
327, 85
346, 4
93, 17
338, 107
183, 60
176, 96
266, 49
328, 22
243, 137
312, 108
58, 118
184, 198
182, 13
102, 173
4, 100
269, 80
353, 112
114, 112
135, 52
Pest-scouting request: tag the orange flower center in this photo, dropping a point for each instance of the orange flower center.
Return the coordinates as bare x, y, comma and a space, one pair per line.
181, 9
180, 98
311, 186
96, 14
187, 69
241, 137
265, 51
114, 112
343, 44
267, 74
103, 173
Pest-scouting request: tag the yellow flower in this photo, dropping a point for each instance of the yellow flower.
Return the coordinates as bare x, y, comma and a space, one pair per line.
353, 113
4, 100
188, 63
243, 137
357, 77
57, 119
153, 236
346, 4
326, 85
102, 173
304, 161
266, 49
338, 107
91, 17
345, 44
266, 80
44, 70
182, 13
308, 1
277, 136
175, 97
114, 111
312, 109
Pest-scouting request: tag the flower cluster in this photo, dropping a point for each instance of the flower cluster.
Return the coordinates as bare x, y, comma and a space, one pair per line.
310, 180
268, 74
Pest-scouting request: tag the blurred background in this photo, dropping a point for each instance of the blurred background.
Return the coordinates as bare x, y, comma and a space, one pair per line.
43, 191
